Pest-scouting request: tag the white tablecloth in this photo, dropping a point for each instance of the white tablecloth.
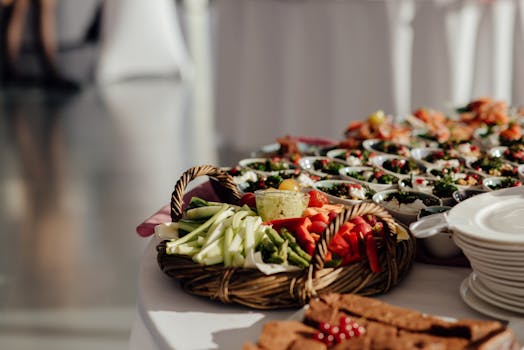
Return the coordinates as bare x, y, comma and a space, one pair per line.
168, 318
308, 67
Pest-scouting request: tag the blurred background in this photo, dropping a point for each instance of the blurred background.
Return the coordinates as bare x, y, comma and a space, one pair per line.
103, 105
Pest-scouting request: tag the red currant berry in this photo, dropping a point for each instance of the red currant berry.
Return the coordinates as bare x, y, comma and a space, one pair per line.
319, 336
334, 330
344, 320
324, 327
329, 339
340, 337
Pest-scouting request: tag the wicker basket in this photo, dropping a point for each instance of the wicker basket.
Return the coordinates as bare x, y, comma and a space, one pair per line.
252, 288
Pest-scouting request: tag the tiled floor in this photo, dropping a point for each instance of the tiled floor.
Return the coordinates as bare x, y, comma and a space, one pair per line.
77, 174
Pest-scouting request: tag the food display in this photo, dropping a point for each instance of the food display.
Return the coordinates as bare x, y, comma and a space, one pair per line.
305, 225
348, 321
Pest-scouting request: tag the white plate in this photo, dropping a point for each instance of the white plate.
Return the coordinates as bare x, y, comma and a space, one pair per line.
496, 271
478, 282
505, 249
491, 298
502, 288
481, 306
495, 217
500, 280
517, 268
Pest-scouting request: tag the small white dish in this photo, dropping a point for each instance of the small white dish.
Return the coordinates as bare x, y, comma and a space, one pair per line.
405, 213
386, 147
499, 182
360, 192
311, 164
266, 166
349, 173
353, 157
420, 155
388, 163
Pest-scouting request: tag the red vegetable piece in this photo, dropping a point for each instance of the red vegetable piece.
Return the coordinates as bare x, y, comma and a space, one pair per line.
332, 215
320, 217
317, 199
358, 220
248, 199
339, 246
317, 227
363, 229
371, 252
289, 223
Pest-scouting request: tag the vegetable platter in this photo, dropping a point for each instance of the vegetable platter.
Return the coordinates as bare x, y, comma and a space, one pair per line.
223, 250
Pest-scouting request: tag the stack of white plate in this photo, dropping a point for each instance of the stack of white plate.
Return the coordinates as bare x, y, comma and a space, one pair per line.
489, 229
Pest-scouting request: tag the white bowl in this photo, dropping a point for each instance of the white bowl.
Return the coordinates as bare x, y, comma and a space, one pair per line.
440, 245
352, 160
371, 146
425, 185
505, 166
379, 161
321, 185
307, 164
250, 162
405, 214
344, 174
499, 181
457, 176
419, 155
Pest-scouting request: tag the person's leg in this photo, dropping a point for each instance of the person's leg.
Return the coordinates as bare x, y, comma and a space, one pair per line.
45, 28
13, 21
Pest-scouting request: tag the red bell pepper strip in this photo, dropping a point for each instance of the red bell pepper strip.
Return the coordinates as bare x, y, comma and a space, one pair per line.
304, 238
289, 223
299, 227
322, 217
339, 246
371, 252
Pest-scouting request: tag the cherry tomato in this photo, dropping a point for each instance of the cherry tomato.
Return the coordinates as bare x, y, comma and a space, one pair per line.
248, 199
289, 185
317, 199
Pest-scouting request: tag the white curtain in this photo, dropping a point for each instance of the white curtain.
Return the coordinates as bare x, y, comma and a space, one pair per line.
310, 66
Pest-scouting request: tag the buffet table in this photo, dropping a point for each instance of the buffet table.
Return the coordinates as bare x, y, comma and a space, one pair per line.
169, 318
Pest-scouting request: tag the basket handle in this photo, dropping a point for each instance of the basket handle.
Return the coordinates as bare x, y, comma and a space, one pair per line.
349, 213
225, 180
